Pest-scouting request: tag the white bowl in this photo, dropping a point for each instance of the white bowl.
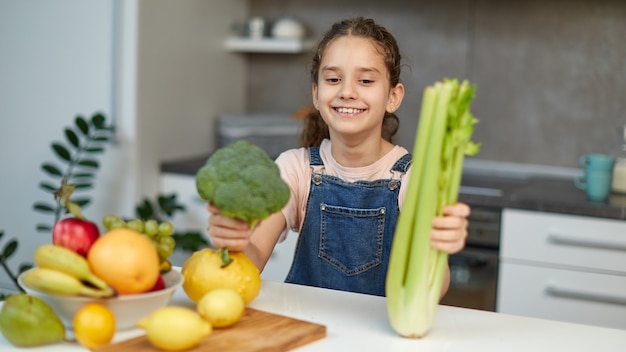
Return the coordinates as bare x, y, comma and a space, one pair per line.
287, 28
127, 309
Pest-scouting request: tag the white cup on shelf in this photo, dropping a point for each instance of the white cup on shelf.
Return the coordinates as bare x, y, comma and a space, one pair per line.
256, 27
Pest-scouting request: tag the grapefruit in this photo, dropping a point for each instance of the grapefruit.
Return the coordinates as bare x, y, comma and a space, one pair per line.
204, 271
126, 260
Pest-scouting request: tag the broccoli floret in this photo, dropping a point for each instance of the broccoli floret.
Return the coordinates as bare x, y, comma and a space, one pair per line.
243, 182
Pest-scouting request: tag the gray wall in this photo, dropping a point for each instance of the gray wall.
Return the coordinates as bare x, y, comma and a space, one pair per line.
551, 74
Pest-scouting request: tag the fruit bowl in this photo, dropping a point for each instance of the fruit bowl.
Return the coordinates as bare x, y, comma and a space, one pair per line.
127, 309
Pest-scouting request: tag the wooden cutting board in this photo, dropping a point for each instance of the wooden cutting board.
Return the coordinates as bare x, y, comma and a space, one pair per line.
255, 331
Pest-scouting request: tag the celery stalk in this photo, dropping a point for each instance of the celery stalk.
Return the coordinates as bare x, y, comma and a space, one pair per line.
416, 271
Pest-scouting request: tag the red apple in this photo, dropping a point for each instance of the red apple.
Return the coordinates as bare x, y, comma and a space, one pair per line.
158, 285
75, 234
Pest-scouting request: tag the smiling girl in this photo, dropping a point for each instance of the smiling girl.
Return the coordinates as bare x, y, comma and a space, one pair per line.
348, 180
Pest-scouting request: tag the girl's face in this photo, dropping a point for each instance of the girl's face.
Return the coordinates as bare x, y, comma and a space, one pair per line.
353, 90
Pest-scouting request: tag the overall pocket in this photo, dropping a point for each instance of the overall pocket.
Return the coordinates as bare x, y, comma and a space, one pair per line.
351, 239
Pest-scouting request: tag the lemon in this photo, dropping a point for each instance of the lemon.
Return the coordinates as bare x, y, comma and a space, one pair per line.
203, 272
221, 307
94, 325
174, 328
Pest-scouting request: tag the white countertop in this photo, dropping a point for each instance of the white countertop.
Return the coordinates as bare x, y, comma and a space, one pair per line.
357, 322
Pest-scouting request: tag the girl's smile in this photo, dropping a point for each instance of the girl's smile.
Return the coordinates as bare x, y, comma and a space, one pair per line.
348, 111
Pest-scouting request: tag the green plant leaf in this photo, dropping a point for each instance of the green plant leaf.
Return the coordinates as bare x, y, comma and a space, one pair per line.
61, 151
100, 138
9, 249
168, 204
44, 207
98, 120
94, 150
81, 201
51, 169
80, 175
1, 233
23, 267
84, 185
190, 241
88, 163
82, 125
145, 211
44, 228
48, 187
72, 137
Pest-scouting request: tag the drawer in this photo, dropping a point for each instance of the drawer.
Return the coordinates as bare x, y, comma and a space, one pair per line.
565, 295
564, 239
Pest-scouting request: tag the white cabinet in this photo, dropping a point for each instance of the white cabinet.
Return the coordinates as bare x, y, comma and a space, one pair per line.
563, 267
196, 218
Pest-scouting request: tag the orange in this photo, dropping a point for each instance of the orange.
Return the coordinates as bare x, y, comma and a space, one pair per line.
126, 260
94, 325
203, 272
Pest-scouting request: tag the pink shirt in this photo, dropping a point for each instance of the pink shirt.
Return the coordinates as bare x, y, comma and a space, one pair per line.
296, 171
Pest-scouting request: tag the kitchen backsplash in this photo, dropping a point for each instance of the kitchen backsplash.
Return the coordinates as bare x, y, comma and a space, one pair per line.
550, 75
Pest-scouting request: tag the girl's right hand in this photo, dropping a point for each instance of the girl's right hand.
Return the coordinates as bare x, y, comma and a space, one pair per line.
226, 232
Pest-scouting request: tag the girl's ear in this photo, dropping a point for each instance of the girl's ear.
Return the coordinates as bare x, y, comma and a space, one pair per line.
314, 93
395, 97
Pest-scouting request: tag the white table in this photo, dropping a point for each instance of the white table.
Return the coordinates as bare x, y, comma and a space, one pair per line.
358, 322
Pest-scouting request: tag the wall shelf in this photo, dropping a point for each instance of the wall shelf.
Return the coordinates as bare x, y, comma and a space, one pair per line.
268, 45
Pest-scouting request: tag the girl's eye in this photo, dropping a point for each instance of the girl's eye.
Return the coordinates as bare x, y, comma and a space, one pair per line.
332, 80
367, 81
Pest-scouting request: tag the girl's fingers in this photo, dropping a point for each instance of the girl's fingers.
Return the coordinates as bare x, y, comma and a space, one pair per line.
450, 230
235, 245
226, 232
459, 209
450, 241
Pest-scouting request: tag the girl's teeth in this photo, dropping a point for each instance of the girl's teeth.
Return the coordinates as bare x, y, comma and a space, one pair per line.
348, 110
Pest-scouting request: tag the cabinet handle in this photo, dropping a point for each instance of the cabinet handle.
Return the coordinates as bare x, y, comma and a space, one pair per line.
584, 296
587, 243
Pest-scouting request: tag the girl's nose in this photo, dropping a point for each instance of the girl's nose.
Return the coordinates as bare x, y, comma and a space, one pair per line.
347, 91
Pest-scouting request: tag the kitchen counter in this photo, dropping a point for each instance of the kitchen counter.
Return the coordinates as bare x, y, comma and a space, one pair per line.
357, 322
499, 190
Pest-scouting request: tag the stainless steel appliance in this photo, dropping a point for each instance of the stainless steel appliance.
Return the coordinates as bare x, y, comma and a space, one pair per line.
273, 133
474, 270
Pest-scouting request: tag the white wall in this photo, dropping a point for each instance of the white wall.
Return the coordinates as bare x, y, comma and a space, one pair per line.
158, 66
56, 62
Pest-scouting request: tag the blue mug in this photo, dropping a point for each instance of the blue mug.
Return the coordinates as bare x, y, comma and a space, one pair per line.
597, 162
598, 176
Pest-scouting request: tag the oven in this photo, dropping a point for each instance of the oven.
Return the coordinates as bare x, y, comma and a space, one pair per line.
474, 270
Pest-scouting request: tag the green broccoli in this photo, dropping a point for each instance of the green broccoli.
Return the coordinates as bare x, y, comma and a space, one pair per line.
243, 182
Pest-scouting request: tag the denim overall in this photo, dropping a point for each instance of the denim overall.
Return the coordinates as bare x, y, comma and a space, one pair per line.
346, 236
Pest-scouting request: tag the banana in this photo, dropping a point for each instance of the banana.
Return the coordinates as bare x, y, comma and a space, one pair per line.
65, 260
58, 282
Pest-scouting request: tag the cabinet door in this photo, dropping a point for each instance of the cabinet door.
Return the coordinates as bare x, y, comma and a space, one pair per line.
559, 294
564, 240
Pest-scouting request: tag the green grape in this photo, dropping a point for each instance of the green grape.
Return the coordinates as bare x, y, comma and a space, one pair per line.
117, 224
168, 241
109, 219
136, 225
166, 228
151, 227
165, 251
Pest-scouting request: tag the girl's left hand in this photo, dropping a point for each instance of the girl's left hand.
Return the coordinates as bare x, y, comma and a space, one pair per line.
450, 230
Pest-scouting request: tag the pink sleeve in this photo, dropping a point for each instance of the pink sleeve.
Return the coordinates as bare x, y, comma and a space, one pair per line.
403, 188
295, 171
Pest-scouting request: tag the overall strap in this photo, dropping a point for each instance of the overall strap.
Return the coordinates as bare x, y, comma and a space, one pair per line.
314, 156
403, 164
